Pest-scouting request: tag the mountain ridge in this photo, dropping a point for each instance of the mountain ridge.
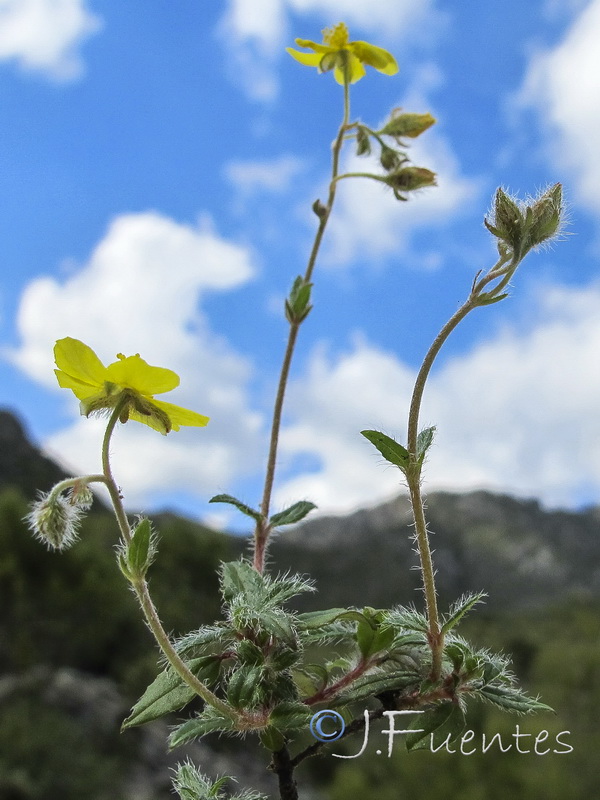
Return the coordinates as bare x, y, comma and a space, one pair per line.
521, 554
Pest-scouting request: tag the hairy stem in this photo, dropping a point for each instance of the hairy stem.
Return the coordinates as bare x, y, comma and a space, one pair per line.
263, 529
436, 638
141, 587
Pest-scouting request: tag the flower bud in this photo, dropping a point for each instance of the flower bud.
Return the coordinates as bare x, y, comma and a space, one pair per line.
55, 520
411, 125
522, 226
363, 143
408, 179
81, 496
389, 159
508, 223
544, 216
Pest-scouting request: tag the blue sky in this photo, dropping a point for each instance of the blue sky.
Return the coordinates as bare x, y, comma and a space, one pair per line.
158, 162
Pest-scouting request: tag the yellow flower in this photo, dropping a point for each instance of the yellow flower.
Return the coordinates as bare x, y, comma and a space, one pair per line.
337, 52
130, 381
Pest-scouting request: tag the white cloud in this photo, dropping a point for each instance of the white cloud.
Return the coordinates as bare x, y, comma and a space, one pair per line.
140, 293
519, 413
274, 175
386, 17
256, 32
369, 222
46, 35
562, 85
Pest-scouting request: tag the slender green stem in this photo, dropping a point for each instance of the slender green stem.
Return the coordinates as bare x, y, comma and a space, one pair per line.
68, 483
141, 587
414, 475
263, 528
379, 178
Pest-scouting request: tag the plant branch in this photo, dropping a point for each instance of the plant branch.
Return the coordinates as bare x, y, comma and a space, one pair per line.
263, 528
283, 767
141, 587
413, 475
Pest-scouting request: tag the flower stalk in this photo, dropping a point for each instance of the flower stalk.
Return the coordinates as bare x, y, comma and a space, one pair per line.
263, 528
140, 585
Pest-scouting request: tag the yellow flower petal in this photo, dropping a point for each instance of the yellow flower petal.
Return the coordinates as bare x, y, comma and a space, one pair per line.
374, 56
318, 48
308, 59
357, 71
181, 416
77, 361
80, 390
128, 384
135, 373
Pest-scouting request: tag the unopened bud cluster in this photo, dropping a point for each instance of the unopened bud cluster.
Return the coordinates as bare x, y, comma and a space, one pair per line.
521, 226
401, 177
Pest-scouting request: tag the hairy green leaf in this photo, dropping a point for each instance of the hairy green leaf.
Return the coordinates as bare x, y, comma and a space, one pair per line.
424, 440
463, 605
292, 514
512, 699
290, 716
377, 682
393, 452
239, 577
233, 501
208, 721
318, 619
168, 692
446, 720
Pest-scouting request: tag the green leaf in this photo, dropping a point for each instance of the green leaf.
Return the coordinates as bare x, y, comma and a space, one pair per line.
462, 606
319, 619
512, 699
140, 550
446, 719
371, 685
292, 514
424, 440
272, 739
489, 298
310, 678
290, 716
297, 306
239, 577
277, 622
383, 640
389, 449
208, 721
168, 693
242, 684
233, 501
365, 636
408, 618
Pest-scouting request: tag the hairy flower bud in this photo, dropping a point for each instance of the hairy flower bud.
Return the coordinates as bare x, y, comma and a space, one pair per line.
81, 495
522, 225
410, 125
508, 223
55, 520
544, 216
408, 179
